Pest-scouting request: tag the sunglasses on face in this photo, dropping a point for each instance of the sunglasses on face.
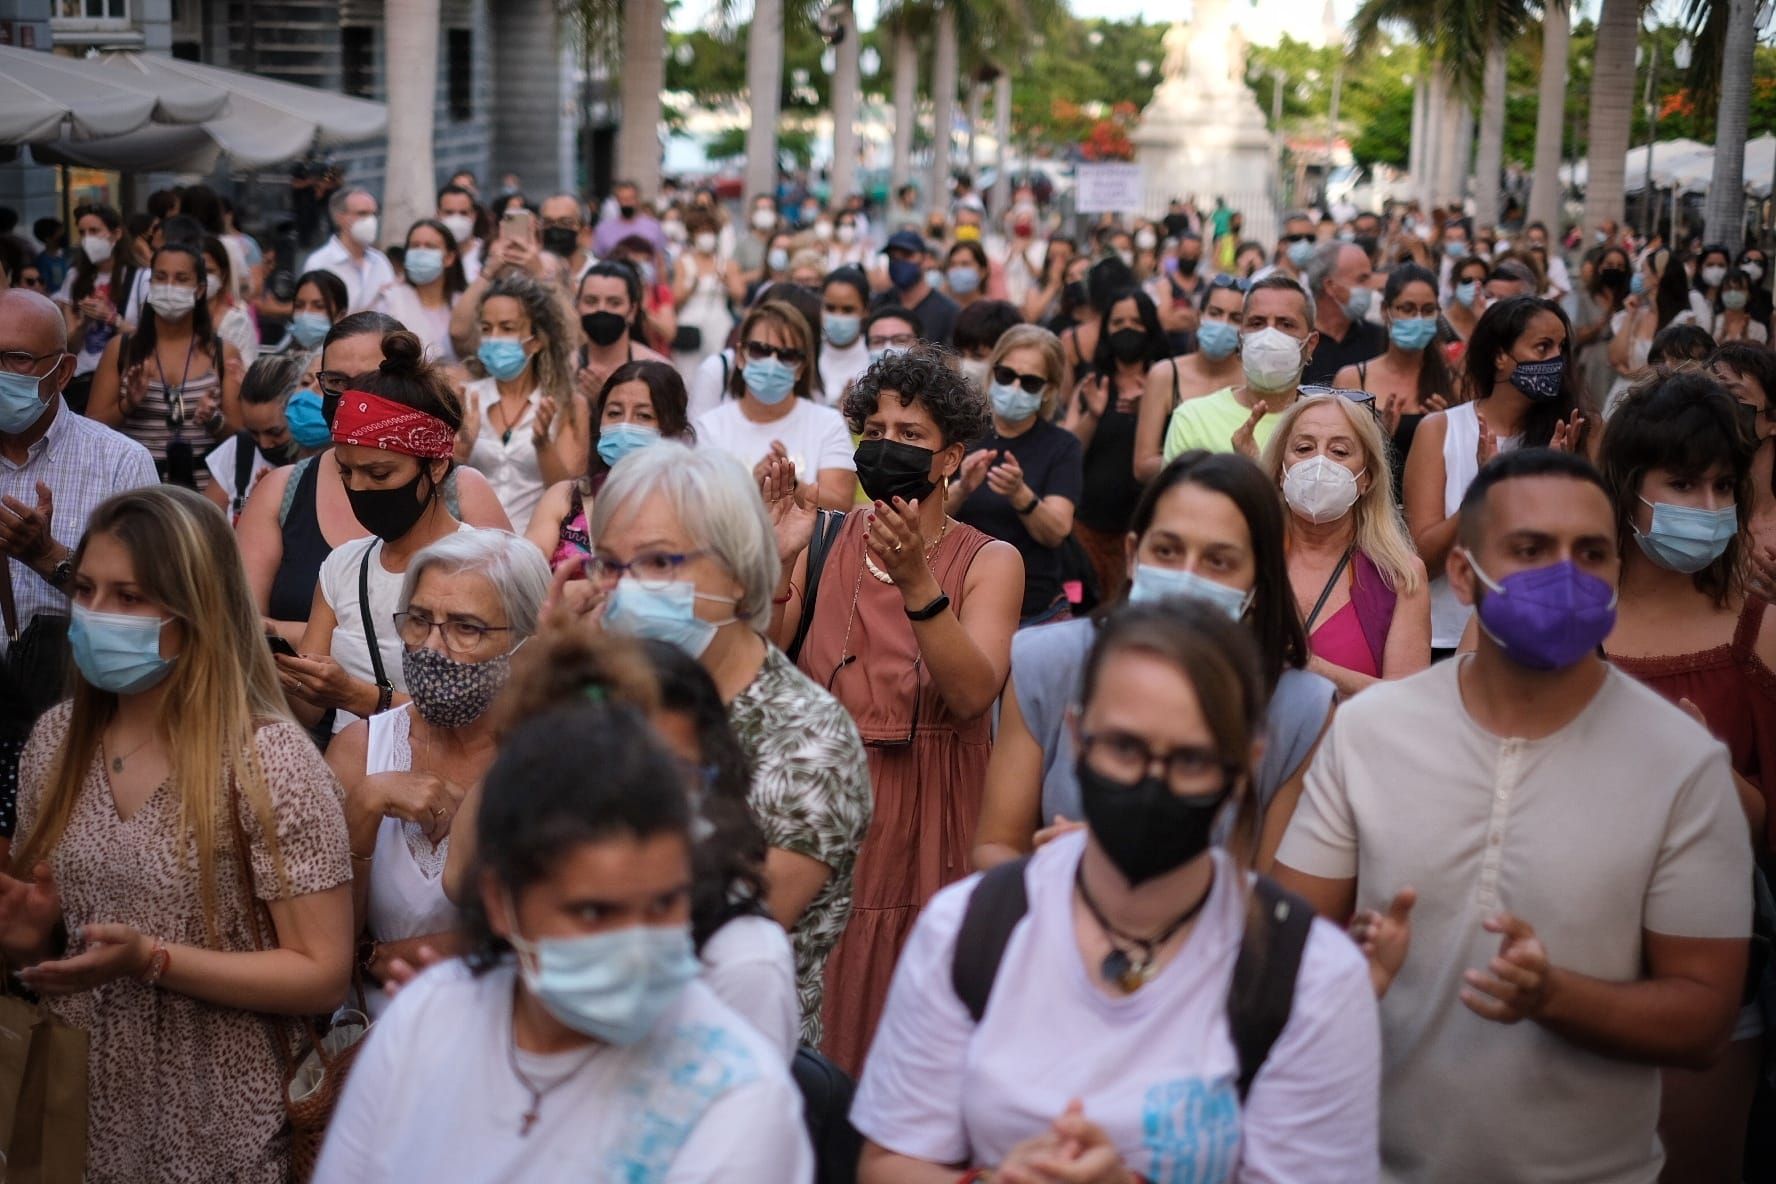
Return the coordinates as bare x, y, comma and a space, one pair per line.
1299, 238
1032, 383
758, 351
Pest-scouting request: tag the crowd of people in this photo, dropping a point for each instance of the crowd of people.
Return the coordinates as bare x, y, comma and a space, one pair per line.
1141, 704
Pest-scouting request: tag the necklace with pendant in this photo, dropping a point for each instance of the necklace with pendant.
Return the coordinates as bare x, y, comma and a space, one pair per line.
538, 1092
117, 761
1130, 963
882, 576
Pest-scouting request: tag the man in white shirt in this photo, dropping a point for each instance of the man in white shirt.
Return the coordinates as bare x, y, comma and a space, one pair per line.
457, 211
351, 253
1578, 851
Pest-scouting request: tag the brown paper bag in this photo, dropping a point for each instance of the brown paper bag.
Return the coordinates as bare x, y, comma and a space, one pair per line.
42, 1096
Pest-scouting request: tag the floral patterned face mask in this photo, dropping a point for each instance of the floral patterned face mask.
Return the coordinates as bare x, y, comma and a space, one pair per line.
452, 694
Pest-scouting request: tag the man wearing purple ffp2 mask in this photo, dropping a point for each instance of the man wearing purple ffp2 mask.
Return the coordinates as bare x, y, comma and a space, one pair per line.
1577, 844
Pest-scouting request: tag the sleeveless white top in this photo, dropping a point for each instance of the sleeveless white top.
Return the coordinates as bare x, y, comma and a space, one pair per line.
1461, 443
407, 878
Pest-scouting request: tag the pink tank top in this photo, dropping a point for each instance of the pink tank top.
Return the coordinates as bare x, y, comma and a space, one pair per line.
1341, 641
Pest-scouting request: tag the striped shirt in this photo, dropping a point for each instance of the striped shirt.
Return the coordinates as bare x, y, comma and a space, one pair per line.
83, 462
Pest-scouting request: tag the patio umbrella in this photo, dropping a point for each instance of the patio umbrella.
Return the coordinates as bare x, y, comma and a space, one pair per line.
45, 97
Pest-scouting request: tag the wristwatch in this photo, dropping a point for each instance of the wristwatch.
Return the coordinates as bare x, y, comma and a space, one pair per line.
62, 574
931, 610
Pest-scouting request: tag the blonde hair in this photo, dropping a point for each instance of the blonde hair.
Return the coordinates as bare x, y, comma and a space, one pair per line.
1054, 361
1381, 535
222, 686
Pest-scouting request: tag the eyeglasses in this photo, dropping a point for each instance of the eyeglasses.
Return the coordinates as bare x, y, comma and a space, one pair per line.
19, 361
653, 570
332, 382
460, 637
1032, 383
1124, 758
31, 281
758, 351
898, 341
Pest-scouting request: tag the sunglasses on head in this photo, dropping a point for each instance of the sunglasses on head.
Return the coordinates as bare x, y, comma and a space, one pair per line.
1032, 383
758, 351
1230, 281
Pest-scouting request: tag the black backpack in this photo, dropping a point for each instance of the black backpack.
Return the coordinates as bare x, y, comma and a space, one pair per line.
1259, 999
826, 1109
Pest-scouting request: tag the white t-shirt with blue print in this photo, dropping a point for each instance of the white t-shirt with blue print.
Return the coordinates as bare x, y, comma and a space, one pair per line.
1156, 1069
432, 1096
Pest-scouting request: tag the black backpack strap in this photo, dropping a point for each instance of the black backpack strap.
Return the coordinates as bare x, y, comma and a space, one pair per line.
1263, 990
382, 682
998, 903
827, 524
244, 451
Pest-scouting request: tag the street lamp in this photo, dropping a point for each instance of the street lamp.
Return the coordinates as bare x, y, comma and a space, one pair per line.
1680, 57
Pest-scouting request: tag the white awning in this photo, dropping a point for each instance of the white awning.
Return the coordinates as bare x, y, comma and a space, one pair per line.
46, 97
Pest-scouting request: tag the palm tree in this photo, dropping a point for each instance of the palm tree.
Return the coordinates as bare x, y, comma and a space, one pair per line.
643, 79
1490, 159
1612, 111
906, 94
1544, 190
945, 78
1724, 212
411, 79
764, 83
846, 93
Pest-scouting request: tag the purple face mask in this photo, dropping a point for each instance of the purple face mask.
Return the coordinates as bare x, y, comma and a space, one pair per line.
1546, 618
1539, 380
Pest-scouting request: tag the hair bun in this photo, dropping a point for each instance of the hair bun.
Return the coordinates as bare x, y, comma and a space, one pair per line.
402, 353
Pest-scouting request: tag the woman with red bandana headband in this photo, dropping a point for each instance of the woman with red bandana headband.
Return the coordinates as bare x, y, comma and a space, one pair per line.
394, 433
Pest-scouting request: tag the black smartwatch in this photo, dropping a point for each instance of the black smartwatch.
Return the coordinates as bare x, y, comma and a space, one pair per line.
1026, 511
931, 610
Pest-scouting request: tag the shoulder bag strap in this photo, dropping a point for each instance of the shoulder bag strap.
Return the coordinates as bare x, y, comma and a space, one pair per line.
1263, 991
8, 609
244, 451
1177, 394
1326, 592
827, 524
998, 903
382, 681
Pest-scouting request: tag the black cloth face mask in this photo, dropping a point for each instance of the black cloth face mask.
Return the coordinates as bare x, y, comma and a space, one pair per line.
390, 513
888, 469
603, 328
1145, 828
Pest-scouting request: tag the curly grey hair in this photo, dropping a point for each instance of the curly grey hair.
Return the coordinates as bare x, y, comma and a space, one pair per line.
542, 305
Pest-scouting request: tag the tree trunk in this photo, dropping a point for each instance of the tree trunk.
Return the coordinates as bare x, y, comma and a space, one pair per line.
764, 83
1001, 197
644, 77
1436, 101
944, 82
410, 190
847, 92
1612, 111
1463, 164
1491, 158
1451, 154
974, 119
1544, 190
906, 103
1724, 210
1415, 152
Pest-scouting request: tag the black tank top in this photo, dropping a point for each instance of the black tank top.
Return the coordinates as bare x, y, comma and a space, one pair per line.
305, 548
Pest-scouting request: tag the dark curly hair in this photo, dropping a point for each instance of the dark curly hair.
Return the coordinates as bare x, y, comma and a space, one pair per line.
980, 326
922, 375
1686, 423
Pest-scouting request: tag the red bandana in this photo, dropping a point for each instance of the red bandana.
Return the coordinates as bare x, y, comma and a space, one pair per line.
375, 422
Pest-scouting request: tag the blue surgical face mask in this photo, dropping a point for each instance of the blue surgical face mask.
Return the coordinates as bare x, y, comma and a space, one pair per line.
309, 328
1455, 250
504, 357
1152, 584
1217, 339
964, 281
423, 264
1687, 538
1637, 283
1357, 307
1412, 333
769, 380
841, 329
1467, 292
610, 986
620, 439
1301, 253
934, 278
21, 403
118, 652
777, 259
1013, 403
308, 427
666, 614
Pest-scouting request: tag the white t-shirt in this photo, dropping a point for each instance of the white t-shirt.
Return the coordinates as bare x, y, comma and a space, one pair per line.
706, 386
432, 1096
220, 463
750, 966
511, 467
430, 325
1156, 1069
815, 436
838, 367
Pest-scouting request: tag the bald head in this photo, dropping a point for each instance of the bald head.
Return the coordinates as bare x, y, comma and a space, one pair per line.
30, 321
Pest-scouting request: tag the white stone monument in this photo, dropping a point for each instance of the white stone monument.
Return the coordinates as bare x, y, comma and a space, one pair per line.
1203, 133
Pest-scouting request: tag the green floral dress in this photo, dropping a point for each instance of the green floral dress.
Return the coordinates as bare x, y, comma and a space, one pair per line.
811, 794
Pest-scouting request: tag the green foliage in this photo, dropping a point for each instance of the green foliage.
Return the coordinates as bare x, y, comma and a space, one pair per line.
730, 144
1070, 82
715, 71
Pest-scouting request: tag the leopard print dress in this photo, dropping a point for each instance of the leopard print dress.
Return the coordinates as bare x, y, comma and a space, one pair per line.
182, 1090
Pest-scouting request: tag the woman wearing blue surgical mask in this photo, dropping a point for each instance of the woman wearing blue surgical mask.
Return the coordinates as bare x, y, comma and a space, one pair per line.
1524, 393
1467, 298
966, 273
704, 279
844, 352
1213, 366
1678, 466
1412, 378
268, 437
431, 280
96, 291
641, 404
770, 410
1023, 482
524, 424
686, 553
467, 603
580, 1030
318, 305
1660, 293
1209, 528
180, 883
1730, 318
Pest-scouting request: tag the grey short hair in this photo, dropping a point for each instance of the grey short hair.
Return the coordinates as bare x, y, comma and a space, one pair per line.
1276, 281
1512, 270
716, 501
512, 564
1320, 268
336, 203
